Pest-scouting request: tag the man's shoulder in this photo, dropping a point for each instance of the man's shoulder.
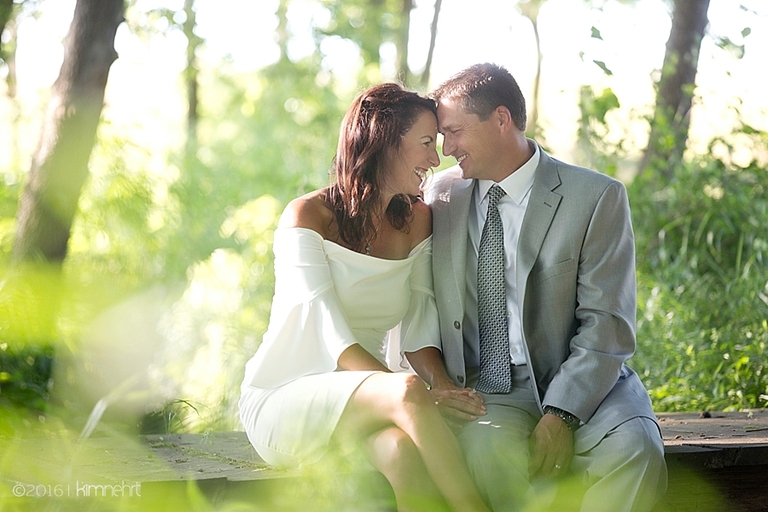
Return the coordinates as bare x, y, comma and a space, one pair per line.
576, 173
441, 182
570, 179
446, 177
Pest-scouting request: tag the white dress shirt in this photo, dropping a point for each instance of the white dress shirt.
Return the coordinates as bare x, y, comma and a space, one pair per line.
512, 209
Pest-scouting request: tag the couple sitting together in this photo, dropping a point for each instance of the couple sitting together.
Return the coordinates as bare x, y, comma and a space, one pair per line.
512, 278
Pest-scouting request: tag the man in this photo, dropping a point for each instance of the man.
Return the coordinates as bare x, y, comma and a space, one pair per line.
543, 333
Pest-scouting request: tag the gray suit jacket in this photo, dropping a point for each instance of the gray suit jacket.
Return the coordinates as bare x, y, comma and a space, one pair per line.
576, 285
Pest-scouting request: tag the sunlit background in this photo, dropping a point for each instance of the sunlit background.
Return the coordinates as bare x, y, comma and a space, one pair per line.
144, 100
169, 265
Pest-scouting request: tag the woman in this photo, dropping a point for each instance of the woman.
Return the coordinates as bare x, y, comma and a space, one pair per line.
352, 261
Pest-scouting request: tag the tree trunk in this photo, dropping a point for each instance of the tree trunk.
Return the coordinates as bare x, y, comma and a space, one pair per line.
8, 54
403, 73
60, 164
281, 33
530, 10
671, 119
191, 75
533, 128
432, 39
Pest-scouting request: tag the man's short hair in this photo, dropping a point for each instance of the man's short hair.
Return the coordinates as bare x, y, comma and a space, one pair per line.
481, 88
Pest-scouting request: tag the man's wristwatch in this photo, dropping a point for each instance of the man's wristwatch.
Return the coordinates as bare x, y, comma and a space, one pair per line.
570, 420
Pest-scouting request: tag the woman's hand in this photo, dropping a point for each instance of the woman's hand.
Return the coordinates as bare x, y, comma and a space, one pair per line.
458, 405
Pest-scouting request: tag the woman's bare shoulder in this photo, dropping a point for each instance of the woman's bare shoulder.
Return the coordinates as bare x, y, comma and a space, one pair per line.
421, 223
310, 211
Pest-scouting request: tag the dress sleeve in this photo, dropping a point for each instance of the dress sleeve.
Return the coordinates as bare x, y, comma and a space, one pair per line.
307, 330
419, 327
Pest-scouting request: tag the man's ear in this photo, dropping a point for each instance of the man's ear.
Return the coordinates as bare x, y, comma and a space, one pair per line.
503, 118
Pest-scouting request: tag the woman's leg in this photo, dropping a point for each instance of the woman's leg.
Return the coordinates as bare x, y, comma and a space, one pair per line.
393, 453
402, 400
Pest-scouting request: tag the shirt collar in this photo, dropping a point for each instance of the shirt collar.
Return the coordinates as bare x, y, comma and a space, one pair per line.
516, 185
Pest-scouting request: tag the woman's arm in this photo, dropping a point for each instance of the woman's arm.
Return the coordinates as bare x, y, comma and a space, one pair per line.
356, 357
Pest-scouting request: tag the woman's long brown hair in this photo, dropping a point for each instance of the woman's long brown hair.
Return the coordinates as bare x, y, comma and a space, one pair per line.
372, 127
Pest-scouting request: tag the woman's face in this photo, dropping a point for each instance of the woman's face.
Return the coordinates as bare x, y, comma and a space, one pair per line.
416, 155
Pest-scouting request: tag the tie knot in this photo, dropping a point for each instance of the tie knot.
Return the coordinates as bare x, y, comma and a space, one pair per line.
494, 194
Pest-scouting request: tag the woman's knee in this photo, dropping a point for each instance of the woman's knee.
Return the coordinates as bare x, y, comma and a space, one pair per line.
412, 403
395, 388
395, 392
382, 399
409, 389
391, 449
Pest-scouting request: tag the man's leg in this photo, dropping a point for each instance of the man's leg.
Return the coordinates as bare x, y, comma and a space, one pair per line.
626, 471
496, 450
496, 445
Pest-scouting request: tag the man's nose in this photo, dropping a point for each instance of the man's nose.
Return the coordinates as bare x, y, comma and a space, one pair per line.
448, 145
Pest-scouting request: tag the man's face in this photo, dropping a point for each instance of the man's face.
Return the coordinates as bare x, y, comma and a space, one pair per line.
472, 142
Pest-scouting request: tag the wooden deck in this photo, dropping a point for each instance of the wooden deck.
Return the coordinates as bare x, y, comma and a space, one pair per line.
717, 463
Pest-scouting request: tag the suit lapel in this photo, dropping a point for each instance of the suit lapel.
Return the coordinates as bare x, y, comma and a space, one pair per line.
461, 195
542, 206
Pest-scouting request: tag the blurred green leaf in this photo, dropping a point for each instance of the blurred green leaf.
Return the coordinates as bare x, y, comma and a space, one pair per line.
602, 66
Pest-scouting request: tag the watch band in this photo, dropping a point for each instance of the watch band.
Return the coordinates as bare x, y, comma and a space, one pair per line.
570, 420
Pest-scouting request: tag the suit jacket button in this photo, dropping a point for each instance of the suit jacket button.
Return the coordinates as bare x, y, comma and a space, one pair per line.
457, 325
460, 378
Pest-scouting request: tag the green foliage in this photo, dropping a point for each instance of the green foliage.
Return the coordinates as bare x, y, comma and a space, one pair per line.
126, 217
274, 130
266, 138
596, 150
25, 373
28, 301
703, 286
369, 25
201, 230
349, 17
9, 198
169, 268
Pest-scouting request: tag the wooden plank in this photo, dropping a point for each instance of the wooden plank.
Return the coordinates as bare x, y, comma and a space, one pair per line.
715, 463
748, 427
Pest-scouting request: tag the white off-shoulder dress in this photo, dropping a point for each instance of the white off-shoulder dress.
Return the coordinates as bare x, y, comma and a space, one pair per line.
327, 298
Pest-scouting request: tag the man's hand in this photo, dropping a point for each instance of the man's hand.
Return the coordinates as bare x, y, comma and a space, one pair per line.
551, 447
458, 405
